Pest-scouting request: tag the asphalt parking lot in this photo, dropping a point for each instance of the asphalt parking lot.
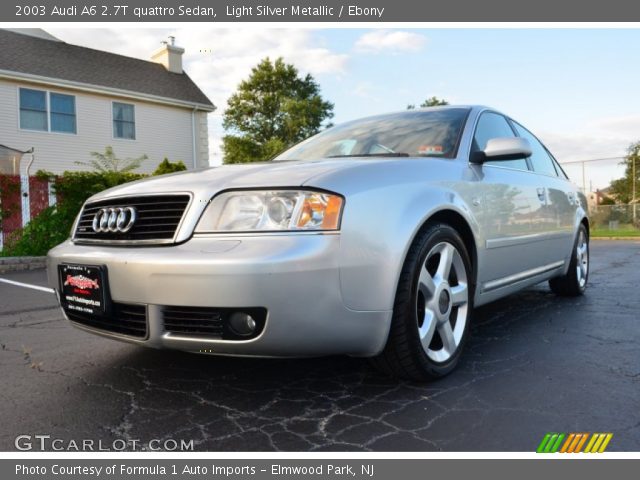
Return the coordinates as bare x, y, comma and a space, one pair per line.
536, 363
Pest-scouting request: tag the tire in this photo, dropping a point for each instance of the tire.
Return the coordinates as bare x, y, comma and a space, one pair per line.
574, 283
431, 312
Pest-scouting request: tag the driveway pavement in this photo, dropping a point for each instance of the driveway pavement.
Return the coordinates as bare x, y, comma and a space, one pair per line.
536, 363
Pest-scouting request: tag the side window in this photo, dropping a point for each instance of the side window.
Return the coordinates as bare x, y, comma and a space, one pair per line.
33, 110
47, 111
492, 125
63, 113
540, 158
124, 121
561, 172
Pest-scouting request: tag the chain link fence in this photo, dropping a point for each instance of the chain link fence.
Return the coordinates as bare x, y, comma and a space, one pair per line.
593, 177
615, 220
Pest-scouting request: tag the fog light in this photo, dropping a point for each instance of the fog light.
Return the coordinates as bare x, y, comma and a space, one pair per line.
242, 324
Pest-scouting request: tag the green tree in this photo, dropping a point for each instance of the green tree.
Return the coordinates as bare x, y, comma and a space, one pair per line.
166, 166
622, 188
109, 162
271, 110
429, 102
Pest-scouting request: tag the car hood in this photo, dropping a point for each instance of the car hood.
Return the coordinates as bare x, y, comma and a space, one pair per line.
207, 182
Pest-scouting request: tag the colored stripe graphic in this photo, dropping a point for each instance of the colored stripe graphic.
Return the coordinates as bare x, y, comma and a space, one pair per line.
604, 445
566, 445
550, 443
554, 442
599, 442
578, 448
543, 443
591, 442
556, 445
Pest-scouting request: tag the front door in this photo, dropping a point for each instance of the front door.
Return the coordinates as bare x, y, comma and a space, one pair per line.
510, 202
554, 215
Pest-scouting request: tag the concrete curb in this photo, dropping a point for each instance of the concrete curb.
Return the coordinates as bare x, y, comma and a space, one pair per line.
16, 264
637, 239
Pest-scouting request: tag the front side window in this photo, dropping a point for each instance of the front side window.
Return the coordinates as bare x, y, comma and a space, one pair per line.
540, 158
47, 111
124, 121
492, 125
559, 169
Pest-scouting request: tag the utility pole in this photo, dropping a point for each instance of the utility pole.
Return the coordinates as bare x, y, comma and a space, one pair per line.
633, 183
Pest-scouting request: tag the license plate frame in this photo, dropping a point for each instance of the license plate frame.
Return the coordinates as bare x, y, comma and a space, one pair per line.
84, 289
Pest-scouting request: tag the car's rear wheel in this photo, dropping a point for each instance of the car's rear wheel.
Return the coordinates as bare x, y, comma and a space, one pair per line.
433, 304
574, 283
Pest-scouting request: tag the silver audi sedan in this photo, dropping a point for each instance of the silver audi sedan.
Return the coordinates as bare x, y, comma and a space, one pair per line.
375, 238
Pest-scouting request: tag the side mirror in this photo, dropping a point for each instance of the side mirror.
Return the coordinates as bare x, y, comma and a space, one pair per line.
509, 148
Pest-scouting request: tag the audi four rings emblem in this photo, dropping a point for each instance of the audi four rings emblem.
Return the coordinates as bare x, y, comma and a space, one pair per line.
115, 220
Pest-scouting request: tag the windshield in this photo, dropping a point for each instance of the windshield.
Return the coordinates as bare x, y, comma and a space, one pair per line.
432, 133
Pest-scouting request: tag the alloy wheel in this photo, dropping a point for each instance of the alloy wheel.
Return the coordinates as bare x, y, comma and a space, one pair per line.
582, 259
442, 302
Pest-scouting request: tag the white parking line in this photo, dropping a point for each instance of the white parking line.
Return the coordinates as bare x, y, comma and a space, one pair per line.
28, 285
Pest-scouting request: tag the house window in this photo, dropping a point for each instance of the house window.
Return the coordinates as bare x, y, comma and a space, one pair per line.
33, 110
47, 111
124, 121
63, 113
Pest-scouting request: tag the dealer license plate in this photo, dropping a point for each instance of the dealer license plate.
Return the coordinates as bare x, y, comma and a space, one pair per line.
83, 288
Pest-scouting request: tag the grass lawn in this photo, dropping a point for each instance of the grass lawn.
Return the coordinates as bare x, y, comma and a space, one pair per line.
623, 232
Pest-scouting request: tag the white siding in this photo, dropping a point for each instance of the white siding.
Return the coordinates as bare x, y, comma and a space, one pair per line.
202, 139
161, 131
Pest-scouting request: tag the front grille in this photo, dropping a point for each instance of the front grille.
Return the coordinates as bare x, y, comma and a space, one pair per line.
158, 217
208, 322
126, 319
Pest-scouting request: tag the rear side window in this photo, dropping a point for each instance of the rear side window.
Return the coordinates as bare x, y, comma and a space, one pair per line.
540, 158
492, 125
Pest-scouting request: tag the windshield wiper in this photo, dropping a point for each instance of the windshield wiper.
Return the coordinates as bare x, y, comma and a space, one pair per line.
386, 154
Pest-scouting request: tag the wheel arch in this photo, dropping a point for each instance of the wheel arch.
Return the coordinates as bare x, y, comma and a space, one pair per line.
452, 217
374, 247
585, 222
460, 225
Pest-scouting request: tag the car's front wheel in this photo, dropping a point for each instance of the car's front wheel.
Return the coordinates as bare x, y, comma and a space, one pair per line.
432, 307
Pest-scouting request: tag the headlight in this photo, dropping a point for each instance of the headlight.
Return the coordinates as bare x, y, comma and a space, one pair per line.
272, 210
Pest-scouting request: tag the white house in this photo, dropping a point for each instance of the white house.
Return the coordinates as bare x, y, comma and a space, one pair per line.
65, 101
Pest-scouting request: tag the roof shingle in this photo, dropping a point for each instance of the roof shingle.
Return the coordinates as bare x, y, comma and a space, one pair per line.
36, 56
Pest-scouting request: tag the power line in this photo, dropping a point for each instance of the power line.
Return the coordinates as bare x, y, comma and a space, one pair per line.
593, 160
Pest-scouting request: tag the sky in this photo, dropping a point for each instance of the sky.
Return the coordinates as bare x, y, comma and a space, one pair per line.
577, 89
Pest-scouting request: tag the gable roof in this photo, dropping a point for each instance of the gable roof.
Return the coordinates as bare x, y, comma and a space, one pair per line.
39, 57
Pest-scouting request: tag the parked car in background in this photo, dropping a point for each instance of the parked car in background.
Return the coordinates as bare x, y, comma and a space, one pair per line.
375, 238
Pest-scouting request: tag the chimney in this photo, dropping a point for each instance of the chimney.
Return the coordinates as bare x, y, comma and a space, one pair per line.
169, 55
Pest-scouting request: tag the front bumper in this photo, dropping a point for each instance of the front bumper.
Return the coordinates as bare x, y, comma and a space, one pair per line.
296, 278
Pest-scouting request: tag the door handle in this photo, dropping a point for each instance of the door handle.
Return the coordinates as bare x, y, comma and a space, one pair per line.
542, 194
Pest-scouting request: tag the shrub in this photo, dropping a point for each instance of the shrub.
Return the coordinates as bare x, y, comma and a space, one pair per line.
48, 229
169, 167
53, 224
109, 162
